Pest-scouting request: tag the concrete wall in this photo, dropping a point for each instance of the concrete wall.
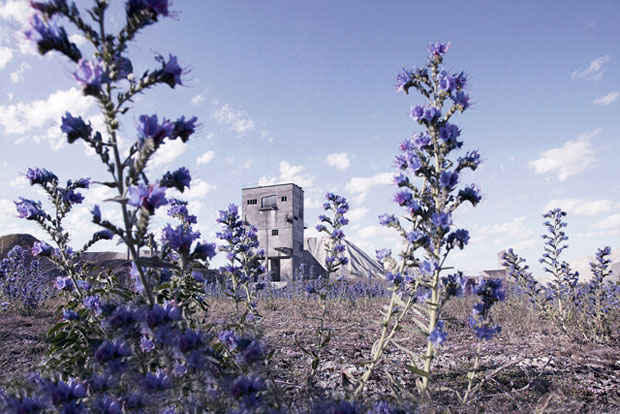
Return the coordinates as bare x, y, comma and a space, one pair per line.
286, 216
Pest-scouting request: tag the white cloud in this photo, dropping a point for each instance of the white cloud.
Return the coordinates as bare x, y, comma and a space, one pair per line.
582, 207
197, 191
289, 174
25, 117
608, 223
594, 70
357, 214
18, 75
168, 152
570, 159
198, 99
78, 39
17, 10
6, 54
522, 245
606, 99
20, 181
376, 232
205, 158
236, 121
339, 160
362, 185
514, 229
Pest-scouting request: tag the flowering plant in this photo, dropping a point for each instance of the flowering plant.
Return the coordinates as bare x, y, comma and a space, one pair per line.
427, 180
334, 248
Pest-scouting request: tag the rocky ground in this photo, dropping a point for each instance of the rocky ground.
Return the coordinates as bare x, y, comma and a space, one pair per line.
528, 368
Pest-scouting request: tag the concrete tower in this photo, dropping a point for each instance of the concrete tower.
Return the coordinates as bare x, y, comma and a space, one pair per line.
277, 211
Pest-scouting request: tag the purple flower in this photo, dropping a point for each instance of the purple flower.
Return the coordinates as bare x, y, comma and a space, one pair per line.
438, 336
421, 140
149, 198
51, 37
454, 284
471, 159
395, 278
149, 128
75, 128
146, 11
104, 235
443, 220
486, 332
48, 8
29, 209
183, 129
388, 220
157, 381
93, 303
458, 238
40, 248
96, 212
40, 176
461, 98
417, 112
146, 345
63, 283
449, 133
320, 228
414, 236
337, 234
430, 114
71, 197
179, 239
171, 72
447, 82
383, 254
180, 179
69, 314
471, 194
90, 75
403, 198
204, 251
403, 79
179, 370
448, 179
134, 273
401, 180
438, 49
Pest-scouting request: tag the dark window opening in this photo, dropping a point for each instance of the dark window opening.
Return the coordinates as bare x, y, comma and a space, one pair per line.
252, 202
269, 201
274, 232
284, 199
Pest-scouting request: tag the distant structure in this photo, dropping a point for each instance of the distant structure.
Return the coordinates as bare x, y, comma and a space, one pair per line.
277, 211
500, 272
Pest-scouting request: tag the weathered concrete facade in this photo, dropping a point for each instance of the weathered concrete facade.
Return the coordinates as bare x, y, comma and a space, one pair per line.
277, 211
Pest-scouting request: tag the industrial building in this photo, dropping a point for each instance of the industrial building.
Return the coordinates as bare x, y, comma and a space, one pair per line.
277, 211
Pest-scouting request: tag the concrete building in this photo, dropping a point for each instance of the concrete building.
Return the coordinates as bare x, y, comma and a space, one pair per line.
277, 211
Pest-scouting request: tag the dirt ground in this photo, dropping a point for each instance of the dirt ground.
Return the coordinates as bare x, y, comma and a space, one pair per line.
528, 368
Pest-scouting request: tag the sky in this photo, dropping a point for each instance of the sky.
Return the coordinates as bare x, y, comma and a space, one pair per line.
303, 92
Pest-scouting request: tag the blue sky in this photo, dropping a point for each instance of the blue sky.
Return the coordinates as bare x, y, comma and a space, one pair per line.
292, 91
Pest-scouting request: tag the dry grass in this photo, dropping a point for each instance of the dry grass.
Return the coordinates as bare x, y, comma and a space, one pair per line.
542, 370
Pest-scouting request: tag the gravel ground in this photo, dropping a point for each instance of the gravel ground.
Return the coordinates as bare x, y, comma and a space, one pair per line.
528, 368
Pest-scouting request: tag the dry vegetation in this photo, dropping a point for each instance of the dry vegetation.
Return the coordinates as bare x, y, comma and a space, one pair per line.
530, 367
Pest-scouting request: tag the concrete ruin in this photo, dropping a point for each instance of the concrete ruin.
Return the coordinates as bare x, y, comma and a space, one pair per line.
277, 211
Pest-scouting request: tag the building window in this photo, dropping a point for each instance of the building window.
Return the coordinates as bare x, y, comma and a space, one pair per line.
252, 202
284, 199
269, 201
274, 232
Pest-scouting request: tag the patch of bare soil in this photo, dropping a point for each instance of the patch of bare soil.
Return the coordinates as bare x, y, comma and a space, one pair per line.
528, 368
